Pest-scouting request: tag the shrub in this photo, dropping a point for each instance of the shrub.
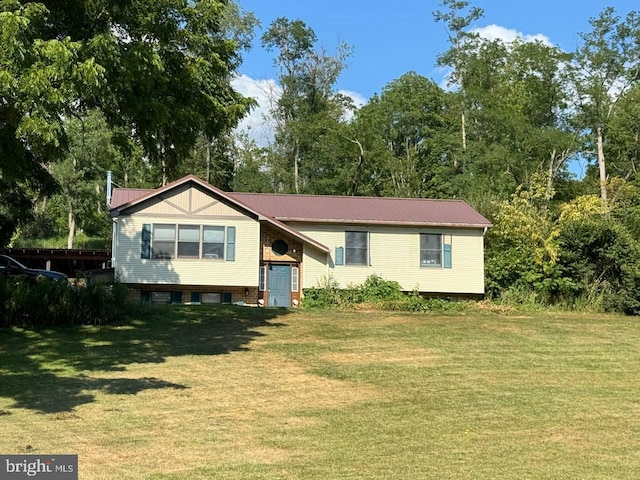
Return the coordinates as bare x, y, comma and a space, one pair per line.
603, 259
43, 303
376, 289
416, 303
325, 295
376, 293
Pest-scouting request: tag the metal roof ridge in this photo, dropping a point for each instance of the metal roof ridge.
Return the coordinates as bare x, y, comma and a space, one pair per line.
381, 222
364, 197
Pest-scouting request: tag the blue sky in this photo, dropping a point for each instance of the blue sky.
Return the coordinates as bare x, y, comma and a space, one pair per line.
391, 38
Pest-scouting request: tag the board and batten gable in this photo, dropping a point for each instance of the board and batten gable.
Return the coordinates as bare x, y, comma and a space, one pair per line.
186, 205
394, 254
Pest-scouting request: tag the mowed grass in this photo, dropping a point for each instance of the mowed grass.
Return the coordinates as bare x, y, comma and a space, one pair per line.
244, 393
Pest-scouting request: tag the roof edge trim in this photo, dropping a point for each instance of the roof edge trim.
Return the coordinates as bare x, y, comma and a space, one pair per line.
381, 222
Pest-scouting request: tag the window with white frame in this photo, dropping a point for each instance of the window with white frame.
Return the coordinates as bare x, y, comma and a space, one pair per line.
164, 241
263, 279
295, 279
430, 250
356, 248
188, 241
211, 298
213, 242
168, 241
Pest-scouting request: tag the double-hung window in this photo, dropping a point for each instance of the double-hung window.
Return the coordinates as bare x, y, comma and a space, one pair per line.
213, 242
164, 241
430, 250
188, 241
356, 248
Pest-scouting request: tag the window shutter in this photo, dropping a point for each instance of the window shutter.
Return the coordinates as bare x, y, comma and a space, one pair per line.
339, 255
231, 244
145, 246
176, 297
447, 255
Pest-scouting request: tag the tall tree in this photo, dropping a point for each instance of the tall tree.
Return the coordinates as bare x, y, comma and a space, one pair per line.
80, 174
517, 103
308, 107
211, 159
408, 140
623, 146
251, 168
457, 16
605, 66
160, 70
41, 76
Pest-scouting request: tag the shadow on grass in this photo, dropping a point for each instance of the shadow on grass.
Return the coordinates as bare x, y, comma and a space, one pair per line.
49, 370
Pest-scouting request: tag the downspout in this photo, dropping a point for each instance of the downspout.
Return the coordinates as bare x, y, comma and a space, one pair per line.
109, 183
114, 243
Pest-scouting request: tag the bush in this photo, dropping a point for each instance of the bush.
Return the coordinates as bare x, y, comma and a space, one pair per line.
417, 303
80, 241
603, 260
43, 303
376, 293
325, 295
375, 289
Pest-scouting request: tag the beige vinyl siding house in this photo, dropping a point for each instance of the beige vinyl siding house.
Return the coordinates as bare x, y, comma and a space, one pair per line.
394, 254
132, 269
191, 242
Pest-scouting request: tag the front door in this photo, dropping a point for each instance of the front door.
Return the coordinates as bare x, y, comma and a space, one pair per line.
279, 286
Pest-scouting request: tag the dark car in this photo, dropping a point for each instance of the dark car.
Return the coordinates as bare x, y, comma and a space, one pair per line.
10, 266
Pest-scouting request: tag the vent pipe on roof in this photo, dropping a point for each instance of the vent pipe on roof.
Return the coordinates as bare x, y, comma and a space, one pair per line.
109, 188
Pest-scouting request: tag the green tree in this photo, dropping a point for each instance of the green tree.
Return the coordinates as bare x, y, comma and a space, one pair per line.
522, 247
407, 139
212, 160
41, 77
457, 16
605, 66
622, 148
81, 174
603, 259
159, 70
251, 167
518, 107
308, 110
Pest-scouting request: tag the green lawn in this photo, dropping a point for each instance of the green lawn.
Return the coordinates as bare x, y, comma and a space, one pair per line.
245, 393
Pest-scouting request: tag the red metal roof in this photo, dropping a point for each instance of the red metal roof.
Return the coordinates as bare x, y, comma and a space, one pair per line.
333, 209
372, 210
120, 196
142, 195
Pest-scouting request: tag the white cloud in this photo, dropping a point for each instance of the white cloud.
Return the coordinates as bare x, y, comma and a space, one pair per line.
491, 33
446, 83
508, 35
358, 99
258, 123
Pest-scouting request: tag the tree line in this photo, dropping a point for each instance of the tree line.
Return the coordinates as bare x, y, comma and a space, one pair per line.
145, 90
